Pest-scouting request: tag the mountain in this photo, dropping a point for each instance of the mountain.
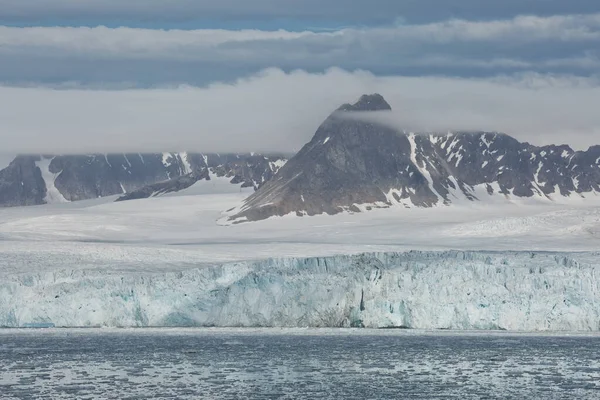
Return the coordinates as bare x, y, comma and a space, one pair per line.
33, 180
355, 164
251, 170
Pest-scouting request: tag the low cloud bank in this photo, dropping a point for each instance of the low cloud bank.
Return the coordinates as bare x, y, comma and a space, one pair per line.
278, 112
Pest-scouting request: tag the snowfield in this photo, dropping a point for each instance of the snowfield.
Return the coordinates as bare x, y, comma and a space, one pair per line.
166, 262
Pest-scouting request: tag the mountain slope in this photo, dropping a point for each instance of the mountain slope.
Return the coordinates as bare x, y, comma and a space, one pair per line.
354, 164
33, 180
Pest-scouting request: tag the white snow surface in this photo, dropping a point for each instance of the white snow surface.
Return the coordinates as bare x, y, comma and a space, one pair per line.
165, 159
186, 164
53, 195
216, 184
276, 165
183, 227
423, 170
133, 263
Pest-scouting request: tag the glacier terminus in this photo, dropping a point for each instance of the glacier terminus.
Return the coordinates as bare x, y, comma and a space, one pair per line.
517, 291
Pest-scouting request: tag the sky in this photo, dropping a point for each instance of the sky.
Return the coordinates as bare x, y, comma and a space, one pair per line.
236, 75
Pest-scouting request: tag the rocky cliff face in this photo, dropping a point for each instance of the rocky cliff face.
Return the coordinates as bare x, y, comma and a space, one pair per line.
31, 180
354, 164
21, 183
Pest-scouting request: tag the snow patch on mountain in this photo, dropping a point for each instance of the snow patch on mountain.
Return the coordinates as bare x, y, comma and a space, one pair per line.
215, 185
423, 168
165, 159
276, 165
53, 195
187, 166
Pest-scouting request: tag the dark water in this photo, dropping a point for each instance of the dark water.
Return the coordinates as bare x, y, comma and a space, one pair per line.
276, 364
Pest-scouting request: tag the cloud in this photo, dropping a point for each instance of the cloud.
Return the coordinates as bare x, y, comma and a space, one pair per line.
558, 44
137, 42
279, 112
39, 11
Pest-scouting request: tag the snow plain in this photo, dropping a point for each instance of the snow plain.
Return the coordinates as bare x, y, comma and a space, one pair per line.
100, 255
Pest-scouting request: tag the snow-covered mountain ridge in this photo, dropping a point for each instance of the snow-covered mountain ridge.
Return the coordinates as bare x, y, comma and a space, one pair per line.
522, 291
34, 180
355, 164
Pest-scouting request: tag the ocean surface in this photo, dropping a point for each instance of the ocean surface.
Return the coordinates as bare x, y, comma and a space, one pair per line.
295, 364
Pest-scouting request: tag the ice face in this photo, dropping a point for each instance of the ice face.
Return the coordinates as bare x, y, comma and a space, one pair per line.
426, 290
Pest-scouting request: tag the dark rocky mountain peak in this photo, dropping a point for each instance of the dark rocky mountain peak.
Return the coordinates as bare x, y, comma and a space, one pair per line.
368, 102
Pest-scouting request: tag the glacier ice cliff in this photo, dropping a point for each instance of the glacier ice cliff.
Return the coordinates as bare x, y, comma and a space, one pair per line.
427, 290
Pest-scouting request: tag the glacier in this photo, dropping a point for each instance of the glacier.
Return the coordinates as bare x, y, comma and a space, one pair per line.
462, 290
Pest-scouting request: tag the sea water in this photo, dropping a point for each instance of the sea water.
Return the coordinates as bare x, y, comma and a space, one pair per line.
295, 364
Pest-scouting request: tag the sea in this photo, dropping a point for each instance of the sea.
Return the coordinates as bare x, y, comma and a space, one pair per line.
272, 363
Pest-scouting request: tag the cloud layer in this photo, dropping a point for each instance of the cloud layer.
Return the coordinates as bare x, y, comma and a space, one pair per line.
146, 57
277, 111
137, 42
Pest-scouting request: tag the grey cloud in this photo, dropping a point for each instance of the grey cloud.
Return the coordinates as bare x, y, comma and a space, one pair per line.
136, 42
373, 11
275, 111
558, 44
